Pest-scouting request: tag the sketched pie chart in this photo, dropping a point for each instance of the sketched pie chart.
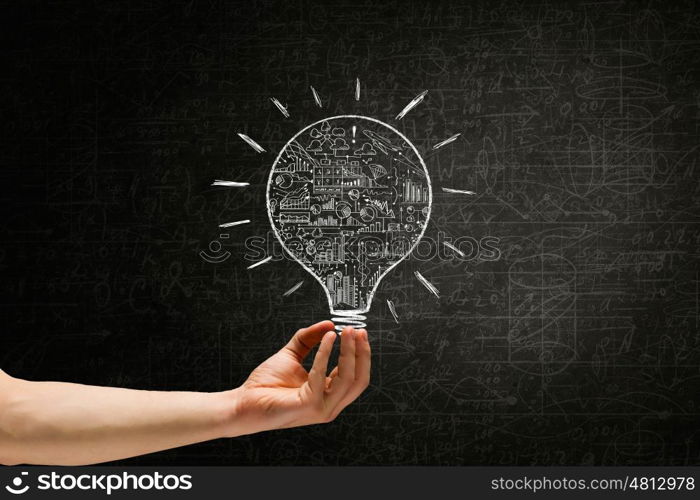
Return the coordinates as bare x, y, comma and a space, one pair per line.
367, 213
343, 210
284, 181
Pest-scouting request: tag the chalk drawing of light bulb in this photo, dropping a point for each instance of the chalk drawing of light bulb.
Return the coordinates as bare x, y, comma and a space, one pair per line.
349, 197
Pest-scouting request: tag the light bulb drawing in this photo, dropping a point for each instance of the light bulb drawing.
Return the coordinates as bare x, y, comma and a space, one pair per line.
349, 197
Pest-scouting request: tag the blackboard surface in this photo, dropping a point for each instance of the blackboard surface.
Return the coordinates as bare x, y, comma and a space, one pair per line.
576, 341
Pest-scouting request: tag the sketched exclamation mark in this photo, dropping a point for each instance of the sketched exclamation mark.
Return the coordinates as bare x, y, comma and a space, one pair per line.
354, 130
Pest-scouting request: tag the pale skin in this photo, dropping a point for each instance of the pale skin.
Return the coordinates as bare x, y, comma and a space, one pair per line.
56, 423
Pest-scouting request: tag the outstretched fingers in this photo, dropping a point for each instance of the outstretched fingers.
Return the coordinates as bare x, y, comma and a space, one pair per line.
347, 381
363, 360
346, 373
346, 361
332, 393
317, 374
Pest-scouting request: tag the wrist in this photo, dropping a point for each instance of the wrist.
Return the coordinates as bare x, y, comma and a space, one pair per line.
233, 417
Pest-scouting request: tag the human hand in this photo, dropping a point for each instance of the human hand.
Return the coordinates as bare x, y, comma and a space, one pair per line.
60, 423
280, 393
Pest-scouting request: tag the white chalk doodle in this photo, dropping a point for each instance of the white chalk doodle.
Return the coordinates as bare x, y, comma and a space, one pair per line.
349, 197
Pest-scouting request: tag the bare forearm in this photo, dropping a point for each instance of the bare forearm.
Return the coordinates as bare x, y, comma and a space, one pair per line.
68, 424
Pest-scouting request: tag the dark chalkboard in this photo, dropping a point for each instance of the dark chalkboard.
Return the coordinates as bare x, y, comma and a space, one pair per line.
567, 334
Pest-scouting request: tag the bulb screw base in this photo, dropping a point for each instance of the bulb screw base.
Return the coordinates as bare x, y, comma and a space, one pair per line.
344, 319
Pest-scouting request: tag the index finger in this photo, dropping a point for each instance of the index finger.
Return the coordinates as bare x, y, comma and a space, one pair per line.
306, 338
